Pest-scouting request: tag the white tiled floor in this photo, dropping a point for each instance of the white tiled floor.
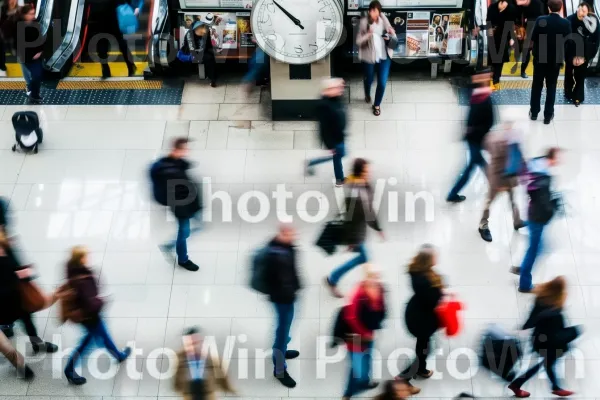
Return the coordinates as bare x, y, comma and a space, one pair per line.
89, 186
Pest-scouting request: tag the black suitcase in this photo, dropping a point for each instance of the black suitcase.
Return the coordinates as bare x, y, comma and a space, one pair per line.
500, 352
333, 235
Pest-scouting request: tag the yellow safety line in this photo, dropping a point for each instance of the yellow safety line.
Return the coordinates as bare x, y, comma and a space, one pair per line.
12, 85
117, 69
109, 85
524, 84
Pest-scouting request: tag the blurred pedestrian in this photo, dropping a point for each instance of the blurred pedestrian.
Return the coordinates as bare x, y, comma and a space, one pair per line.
375, 31
420, 316
4, 216
9, 15
359, 214
283, 284
173, 187
500, 24
396, 389
258, 69
199, 375
541, 210
497, 145
10, 298
551, 336
583, 46
82, 281
480, 120
29, 51
332, 116
548, 37
364, 315
528, 12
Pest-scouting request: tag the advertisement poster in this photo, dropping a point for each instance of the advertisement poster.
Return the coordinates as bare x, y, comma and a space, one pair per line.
436, 34
244, 30
446, 34
236, 4
353, 4
398, 22
453, 45
417, 33
223, 32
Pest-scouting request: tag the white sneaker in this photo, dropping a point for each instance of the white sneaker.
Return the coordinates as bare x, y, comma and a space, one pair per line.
2, 73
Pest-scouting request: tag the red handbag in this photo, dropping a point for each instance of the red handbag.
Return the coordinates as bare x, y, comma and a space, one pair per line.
448, 315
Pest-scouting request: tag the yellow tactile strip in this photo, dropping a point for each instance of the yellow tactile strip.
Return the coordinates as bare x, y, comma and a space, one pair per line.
12, 85
109, 85
524, 84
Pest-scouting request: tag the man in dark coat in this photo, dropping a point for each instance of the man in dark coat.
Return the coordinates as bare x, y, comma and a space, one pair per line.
582, 48
548, 37
174, 188
500, 24
331, 112
283, 283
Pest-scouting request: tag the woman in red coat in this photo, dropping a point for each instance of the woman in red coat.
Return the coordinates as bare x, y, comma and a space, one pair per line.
364, 316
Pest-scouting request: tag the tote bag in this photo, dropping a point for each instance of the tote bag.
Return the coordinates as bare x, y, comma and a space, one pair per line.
128, 22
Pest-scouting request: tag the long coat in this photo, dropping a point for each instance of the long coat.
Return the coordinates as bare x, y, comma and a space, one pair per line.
214, 378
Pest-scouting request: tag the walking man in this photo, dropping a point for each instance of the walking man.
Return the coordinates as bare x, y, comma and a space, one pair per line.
548, 39
541, 210
332, 128
173, 188
479, 122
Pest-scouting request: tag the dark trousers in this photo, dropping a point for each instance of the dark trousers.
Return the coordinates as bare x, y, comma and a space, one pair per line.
421, 352
549, 362
104, 46
338, 169
2, 54
575, 81
94, 333
29, 329
475, 160
497, 72
32, 72
544, 73
285, 316
210, 66
382, 69
525, 55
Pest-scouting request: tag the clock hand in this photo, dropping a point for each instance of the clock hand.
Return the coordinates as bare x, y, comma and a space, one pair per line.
290, 16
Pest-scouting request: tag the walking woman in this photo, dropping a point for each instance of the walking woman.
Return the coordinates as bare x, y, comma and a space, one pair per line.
421, 319
364, 315
81, 280
29, 52
550, 337
10, 299
584, 27
374, 33
359, 214
500, 20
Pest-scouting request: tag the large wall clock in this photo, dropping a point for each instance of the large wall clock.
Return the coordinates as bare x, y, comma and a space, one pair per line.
297, 31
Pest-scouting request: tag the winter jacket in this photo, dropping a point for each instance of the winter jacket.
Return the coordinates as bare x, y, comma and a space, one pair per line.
164, 174
503, 24
359, 211
481, 116
10, 297
549, 330
331, 113
585, 38
548, 37
192, 43
214, 378
420, 316
541, 204
33, 43
86, 290
496, 144
364, 40
282, 277
363, 316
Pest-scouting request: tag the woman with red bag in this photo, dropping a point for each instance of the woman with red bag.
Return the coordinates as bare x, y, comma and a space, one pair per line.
421, 318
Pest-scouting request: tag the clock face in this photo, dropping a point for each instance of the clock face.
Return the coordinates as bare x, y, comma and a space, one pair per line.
297, 31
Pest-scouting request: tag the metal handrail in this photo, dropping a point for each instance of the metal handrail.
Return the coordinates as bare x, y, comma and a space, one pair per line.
43, 15
71, 38
157, 52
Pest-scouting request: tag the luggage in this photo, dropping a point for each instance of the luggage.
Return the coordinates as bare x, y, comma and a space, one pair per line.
500, 352
32, 298
515, 163
128, 22
28, 133
447, 313
333, 235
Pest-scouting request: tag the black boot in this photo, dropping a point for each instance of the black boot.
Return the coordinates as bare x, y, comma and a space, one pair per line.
41, 346
106, 71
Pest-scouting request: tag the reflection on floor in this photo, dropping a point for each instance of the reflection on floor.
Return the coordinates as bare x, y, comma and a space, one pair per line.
88, 185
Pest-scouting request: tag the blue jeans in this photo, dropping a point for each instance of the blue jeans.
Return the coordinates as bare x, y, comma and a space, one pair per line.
94, 333
340, 271
360, 371
383, 70
285, 316
32, 72
338, 169
183, 233
535, 248
475, 160
258, 66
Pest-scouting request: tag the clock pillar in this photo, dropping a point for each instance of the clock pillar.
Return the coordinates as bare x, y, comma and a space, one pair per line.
296, 89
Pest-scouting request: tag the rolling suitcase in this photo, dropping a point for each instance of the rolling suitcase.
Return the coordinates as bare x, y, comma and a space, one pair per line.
500, 352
